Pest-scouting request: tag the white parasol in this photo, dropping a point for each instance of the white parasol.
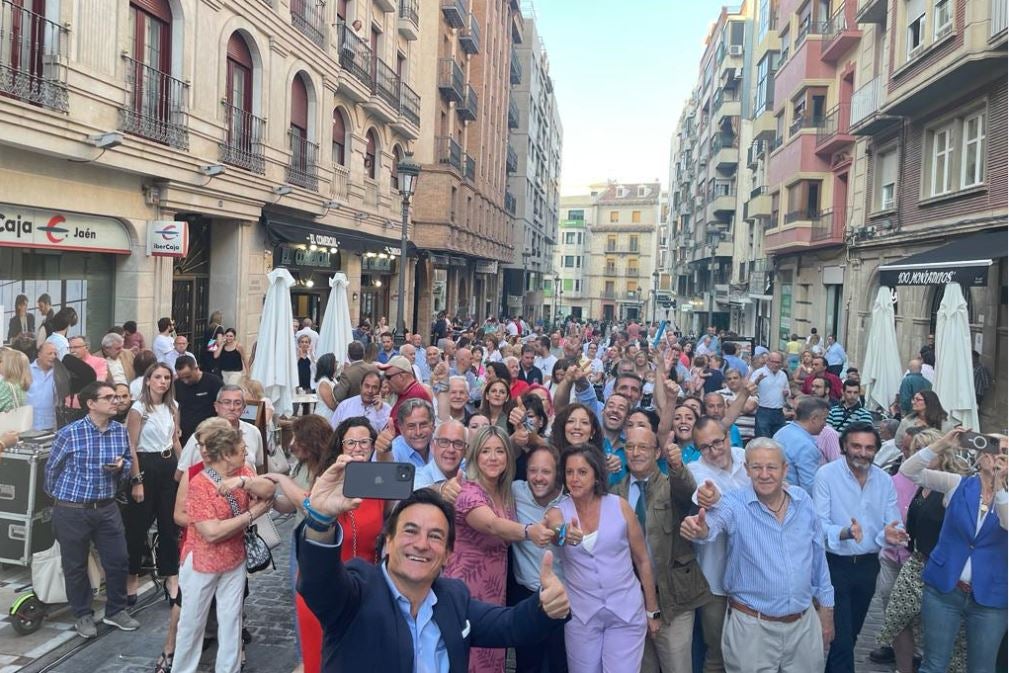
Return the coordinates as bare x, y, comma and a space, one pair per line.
336, 332
954, 369
276, 365
881, 372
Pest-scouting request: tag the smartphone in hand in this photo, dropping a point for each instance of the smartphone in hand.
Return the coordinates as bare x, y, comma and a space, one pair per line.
973, 441
382, 481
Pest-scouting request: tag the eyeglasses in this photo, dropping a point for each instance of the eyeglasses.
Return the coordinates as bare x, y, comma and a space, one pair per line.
716, 444
357, 443
445, 442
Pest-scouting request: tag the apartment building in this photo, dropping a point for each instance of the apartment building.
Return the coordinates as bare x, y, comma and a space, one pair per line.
929, 185
707, 228
533, 196
160, 157
460, 221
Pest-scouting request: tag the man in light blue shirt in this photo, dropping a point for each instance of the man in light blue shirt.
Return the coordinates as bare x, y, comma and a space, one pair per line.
775, 568
835, 356
733, 361
41, 395
857, 506
447, 450
412, 445
798, 440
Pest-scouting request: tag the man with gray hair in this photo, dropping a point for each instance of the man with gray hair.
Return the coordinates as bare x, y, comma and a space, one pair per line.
229, 405
798, 440
415, 420
889, 455
772, 622
913, 383
118, 359
442, 472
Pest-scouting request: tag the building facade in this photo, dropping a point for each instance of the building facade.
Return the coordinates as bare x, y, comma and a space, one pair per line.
246, 136
533, 195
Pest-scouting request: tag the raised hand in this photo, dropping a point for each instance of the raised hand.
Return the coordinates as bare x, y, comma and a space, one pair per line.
894, 534
672, 388
694, 527
553, 595
450, 488
327, 496
674, 456
384, 442
517, 416
540, 534
855, 530
707, 494
574, 533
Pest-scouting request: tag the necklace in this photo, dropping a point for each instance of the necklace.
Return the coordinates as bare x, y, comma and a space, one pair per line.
781, 505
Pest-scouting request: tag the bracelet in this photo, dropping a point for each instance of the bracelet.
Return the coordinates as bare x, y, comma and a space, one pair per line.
137, 479
318, 526
525, 531
316, 516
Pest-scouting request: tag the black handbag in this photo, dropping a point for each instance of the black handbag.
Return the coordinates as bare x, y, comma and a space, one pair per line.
257, 553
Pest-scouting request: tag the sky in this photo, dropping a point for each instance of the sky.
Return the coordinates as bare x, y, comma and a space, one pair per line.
621, 71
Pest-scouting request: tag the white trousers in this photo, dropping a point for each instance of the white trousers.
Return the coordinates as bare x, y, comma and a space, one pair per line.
751, 645
197, 591
670, 650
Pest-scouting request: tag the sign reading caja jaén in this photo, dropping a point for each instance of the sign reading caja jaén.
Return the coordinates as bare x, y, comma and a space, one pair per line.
23, 227
167, 238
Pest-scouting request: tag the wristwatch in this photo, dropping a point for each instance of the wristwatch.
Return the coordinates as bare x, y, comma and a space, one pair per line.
653, 615
137, 478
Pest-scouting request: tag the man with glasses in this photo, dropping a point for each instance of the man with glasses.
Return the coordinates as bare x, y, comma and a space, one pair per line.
229, 405
399, 373
660, 502
88, 460
442, 472
368, 404
80, 349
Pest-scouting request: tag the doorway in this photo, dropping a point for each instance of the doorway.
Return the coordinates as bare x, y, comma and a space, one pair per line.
191, 287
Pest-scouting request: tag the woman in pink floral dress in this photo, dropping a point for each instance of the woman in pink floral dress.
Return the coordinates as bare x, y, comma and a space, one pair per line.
485, 526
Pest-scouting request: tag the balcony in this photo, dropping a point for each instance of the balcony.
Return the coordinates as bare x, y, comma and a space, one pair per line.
802, 215
467, 109
469, 37
512, 161
304, 167
449, 152
155, 105
309, 18
384, 91
725, 152
451, 81
824, 229
866, 116
355, 58
758, 206
509, 203
515, 68
409, 105
469, 167
454, 12
409, 19
839, 35
807, 28
833, 133
608, 293
872, 11
804, 122
386, 5
513, 114
32, 52
723, 201
629, 295
727, 104
243, 143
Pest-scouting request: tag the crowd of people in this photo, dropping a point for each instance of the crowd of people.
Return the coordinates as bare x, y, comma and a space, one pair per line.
599, 497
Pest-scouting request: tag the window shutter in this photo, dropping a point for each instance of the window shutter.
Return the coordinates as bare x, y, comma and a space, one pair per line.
238, 51
156, 8
299, 103
888, 168
915, 8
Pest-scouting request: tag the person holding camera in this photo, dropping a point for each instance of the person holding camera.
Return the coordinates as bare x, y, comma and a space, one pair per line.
965, 575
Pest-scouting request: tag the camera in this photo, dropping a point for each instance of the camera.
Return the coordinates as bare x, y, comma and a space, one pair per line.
404, 473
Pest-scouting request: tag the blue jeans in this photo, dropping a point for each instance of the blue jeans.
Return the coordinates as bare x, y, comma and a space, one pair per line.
768, 421
941, 616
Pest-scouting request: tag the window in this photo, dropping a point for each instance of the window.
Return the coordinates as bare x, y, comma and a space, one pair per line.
572, 262
915, 26
397, 154
943, 19
636, 216
151, 55
608, 289
634, 244
941, 154
614, 216
786, 42
764, 93
972, 161
576, 215
886, 179
299, 122
339, 138
642, 190
611, 243
369, 156
763, 19
239, 94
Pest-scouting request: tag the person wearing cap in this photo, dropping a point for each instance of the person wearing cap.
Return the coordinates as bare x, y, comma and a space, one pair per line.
399, 373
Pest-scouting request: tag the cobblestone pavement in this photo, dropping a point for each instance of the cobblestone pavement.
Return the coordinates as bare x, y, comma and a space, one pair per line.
268, 616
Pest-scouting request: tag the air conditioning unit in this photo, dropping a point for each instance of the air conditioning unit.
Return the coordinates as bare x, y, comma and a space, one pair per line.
736, 50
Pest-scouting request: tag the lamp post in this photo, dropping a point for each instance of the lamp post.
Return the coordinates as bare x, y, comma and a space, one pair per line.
655, 294
408, 170
557, 298
712, 267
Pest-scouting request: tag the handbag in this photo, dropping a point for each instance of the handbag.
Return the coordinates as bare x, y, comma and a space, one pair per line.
257, 552
18, 419
267, 530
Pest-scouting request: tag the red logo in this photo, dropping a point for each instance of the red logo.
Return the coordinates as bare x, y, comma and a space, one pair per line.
52, 230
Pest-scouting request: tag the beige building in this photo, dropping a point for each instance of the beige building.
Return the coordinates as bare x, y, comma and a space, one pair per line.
460, 221
269, 130
607, 253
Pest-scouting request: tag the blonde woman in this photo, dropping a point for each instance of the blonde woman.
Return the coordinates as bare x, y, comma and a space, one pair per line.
486, 524
16, 376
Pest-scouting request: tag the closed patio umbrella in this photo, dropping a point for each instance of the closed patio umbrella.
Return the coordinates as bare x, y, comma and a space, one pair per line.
881, 372
276, 365
336, 332
954, 370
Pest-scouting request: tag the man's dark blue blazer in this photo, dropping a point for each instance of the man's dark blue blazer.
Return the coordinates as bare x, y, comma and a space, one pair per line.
364, 630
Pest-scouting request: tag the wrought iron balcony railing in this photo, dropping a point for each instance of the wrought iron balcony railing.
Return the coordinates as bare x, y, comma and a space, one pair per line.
409, 104
32, 49
355, 55
304, 167
243, 142
309, 17
155, 105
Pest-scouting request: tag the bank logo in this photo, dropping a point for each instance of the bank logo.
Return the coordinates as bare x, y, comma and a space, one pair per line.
169, 232
53, 231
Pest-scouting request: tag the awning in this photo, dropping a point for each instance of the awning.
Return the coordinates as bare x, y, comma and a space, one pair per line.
282, 228
964, 261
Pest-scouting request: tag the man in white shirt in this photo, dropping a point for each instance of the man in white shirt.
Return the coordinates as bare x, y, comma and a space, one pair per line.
368, 404
448, 446
163, 343
544, 360
306, 330
772, 392
229, 405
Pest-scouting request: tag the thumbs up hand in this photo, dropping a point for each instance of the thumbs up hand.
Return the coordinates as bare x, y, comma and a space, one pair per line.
517, 416
384, 442
694, 527
553, 595
707, 494
574, 533
450, 488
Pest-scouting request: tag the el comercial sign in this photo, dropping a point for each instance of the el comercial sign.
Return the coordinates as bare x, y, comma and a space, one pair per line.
23, 227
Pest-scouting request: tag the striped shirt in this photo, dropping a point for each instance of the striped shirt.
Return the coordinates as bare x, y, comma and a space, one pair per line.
74, 470
774, 568
840, 416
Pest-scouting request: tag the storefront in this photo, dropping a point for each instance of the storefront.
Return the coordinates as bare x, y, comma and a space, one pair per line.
71, 257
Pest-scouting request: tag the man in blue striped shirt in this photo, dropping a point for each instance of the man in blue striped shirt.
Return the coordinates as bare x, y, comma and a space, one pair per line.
87, 461
781, 601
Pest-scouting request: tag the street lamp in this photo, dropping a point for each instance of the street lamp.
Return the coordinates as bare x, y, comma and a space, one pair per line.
408, 170
557, 297
655, 294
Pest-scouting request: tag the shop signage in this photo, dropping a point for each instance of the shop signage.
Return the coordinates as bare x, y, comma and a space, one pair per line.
290, 257
324, 240
485, 266
967, 276
23, 227
167, 238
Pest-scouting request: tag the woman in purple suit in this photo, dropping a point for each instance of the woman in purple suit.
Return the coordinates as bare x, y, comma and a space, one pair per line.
600, 546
